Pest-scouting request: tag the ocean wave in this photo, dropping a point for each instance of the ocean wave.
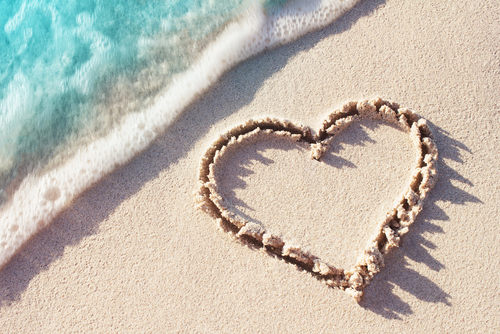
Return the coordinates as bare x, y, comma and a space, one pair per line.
65, 65
40, 196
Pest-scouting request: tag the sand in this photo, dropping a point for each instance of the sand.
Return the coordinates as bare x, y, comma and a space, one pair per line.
134, 254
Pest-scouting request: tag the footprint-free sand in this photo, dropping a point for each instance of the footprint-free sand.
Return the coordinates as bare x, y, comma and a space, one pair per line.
134, 255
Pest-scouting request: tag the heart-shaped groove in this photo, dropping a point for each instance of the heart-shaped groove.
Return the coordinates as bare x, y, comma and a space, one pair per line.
388, 232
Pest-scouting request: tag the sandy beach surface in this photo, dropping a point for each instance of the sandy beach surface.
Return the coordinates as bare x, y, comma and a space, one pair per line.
134, 255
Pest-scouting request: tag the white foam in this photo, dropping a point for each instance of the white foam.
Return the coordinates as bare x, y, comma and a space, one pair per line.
40, 198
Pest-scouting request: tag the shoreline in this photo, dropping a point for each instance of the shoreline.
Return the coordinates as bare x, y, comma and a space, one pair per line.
39, 198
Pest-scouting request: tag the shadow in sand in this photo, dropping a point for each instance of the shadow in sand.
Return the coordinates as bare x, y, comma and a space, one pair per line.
234, 168
355, 135
379, 297
83, 217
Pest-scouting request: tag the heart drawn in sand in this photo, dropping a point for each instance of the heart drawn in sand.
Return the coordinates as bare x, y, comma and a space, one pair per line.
388, 232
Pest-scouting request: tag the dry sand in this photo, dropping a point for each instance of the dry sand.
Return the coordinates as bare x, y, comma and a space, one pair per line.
133, 254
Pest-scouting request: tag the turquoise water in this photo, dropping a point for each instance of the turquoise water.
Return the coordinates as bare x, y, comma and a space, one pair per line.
69, 70
87, 85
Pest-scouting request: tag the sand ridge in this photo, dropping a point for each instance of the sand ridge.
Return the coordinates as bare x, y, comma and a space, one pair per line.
388, 233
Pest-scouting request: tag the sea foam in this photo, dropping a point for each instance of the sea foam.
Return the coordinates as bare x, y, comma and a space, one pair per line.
39, 198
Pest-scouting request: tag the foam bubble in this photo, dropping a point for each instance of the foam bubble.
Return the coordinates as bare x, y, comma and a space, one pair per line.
52, 193
251, 33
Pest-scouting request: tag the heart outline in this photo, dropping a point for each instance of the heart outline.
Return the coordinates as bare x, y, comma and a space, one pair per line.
388, 233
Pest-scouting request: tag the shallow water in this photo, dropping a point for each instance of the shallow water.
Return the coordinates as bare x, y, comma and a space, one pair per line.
65, 66
87, 85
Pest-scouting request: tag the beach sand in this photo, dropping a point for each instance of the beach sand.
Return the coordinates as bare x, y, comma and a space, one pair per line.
134, 255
